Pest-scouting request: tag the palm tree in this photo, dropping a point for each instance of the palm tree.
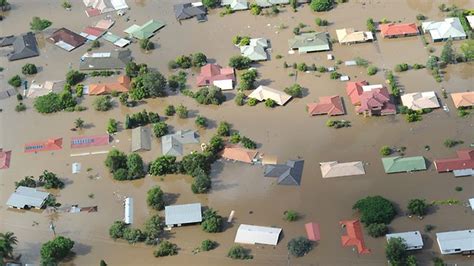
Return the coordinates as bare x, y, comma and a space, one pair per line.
79, 123
7, 241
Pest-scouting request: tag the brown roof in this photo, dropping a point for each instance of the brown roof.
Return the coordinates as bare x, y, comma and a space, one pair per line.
463, 99
122, 85
68, 37
238, 154
331, 105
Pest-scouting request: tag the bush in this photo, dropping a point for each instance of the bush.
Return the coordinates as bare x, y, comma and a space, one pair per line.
141, 119
160, 129
239, 99
248, 143
95, 44
223, 129
299, 246
375, 209
321, 22
56, 250
182, 111
237, 252
155, 198
112, 126
201, 184
252, 102
38, 24
184, 61
449, 143
294, 90
163, 165
291, 216
73, 77
211, 3
210, 95
235, 138
417, 207
201, 121
420, 17
270, 103
15, 81
29, 69
395, 251
255, 9
146, 44
102, 103
418, 66
20, 107
321, 5
401, 67
372, 70
133, 235
27, 181
247, 79
377, 230
239, 62
207, 245
361, 62
153, 229
79, 90
199, 60
166, 248
211, 221
385, 151
371, 25
335, 75
66, 4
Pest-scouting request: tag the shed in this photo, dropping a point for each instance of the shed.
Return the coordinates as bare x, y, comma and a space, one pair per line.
253, 234
128, 205
312, 231
454, 242
183, 214
412, 239
141, 139
26, 197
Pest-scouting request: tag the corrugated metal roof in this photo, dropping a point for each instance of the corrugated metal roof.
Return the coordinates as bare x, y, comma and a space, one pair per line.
183, 214
455, 241
412, 239
399, 164
141, 139
27, 197
253, 234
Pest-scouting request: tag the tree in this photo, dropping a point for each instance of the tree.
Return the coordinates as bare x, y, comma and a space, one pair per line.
216, 144
7, 241
201, 121
95, 44
252, 102
321, 5
401, 67
432, 62
155, 198
112, 126
163, 165
270, 103
385, 151
248, 143
48, 103
199, 59
29, 69
102, 263
291, 216
235, 138
27, 181
166, 248
38, 24
255, 9
467, 48
223, 129
149, 84
117, 229
239, 99
372, 70
210, 95
237, 252
170, 111
371, 25
160, 129
294, 90
184, 61
377, 230
146, 44
15, 81
133, 235
321, 22
79, 123
449, 143
299, 246
207, 245
448, 56
116, 160
239, 62
247, 79
211, 3
135, 166
50, 180
66, 100
375, 209
56, 250
182, 111
195, 164
417, 207
395, 251
153, 228
102, 103
73, 77
211, 221
201, 184
133, 69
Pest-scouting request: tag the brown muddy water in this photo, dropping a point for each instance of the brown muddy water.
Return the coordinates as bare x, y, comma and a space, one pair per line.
284, 131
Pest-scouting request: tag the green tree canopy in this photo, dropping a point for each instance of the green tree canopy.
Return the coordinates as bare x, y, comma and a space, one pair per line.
102, 103
467, 48
50, 180
395, 251
38, 24
239, 62
375, 209
211, 221
153, 228
7, 241
448, 56
135, 166
417, 207
56, 250
321, 5
115, 160
237, 252
117, 229
160, 129
294, 90
199, 59
155, 198
210, 95
166, 248
299, 246
247, 79
29, 69
223, 129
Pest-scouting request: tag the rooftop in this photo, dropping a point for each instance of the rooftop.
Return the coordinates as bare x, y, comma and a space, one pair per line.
183, 214
399, 164
330, 105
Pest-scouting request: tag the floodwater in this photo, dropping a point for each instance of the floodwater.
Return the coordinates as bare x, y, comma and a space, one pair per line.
286, 131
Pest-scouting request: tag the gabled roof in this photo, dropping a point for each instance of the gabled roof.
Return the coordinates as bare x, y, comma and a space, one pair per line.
354, 236
45, 145
376, 101
330, 105
464, 160
310, 42
183, 214
256, 49
398, 29
349, 35
312, 231
420, 100
441, 30
463, 99
117, 59
90, 141
354, 90
287, 174
263, 92
121, 85
25, 197
235, 153
399, 164
236, 4
7, 40
116, 40
67, 39
5, 157
141, 139
413, 239
24, 46
172, 144
92, 33
146, 30
211, 73
336, 169
253, 234
269, 3
104, 24
188, 10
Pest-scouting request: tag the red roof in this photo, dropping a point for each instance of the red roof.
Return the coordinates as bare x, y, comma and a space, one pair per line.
94, 31
354, 90
312, 231
392, 29
238, 154
5, 159
48, 145
465, 160
68, 37
212, 72
376, 101
331, 105
92, 12
122, 85
354, 236
89, 141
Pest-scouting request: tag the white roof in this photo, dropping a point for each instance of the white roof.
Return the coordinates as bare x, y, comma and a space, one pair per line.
471, 202
128, 219
470, 19
420, 100
40, 89
449, 28
263, 92
65, 46
413, 239
224, 84
27, 197
335, 169
235, 4
372, 87
122, 42
255, 50
76, 168
253, 234
183, 214
455, 241
119, 4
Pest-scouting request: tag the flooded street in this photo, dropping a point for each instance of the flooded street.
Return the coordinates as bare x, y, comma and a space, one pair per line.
286, 131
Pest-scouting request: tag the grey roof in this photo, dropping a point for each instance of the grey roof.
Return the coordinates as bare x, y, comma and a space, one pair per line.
187, 10
117, 59
256, 49
310, 42
455, 241
7, 40
25, 197
412, 239
172, 144
288, 174
141, 139
183, 214
24, 46
268, 3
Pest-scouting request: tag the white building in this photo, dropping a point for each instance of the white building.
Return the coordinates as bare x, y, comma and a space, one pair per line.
412, 239
253, 234
128, 219
454, 242
450, 28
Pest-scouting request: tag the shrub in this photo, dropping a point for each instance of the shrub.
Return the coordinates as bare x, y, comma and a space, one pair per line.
385, 151
335, 75
112, 126
252, 102
56, 250
299, 246
372, 70
160, 129
371, 25
239, 99
211, 3
201, 121
133, 235
401, 67
248, 143
95, 44
321, 22
184, 61
15, 81
182, 111
163, 165
169, 110
239, 62
291, 216
375, 209
294, 90
211, 221
418, 66
237, 252
66, 4
429, 228
270, 103
102, 103
27, 181
199, 60
377, 230
235, 138
210, 95
117, 229
20, 107
166, 248
207, 245
146, 44
29, 69
449, 143
155, 198
223, 129
255, 9
420, 17
38, 24
417, 207
321, 5
361, 62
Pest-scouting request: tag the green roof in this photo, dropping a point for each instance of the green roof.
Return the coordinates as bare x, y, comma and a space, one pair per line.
399, 164
145, 31
310, 42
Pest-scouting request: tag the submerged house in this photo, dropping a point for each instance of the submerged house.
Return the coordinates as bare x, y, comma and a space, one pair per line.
462, 165
141, 139
350, 36
27, 198
177, 215
24, 46
463, 99
420, 100
90, 141
214, 74
413, 239
354, 236
375, 100
330, 105
40, 89
117, 59
172, 144
336, 169
395, 30
66, 39
253, 234
454, 242
97, 7
121, 85
45, 145
450, 28
399, 164
116, 40
146, 30
236, 5
310, 42
263, 92
236, 153
269, 3
354, 90
190, 10
287, 174
256, 50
